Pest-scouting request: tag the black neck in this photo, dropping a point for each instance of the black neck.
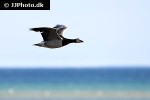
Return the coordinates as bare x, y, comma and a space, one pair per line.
66, 41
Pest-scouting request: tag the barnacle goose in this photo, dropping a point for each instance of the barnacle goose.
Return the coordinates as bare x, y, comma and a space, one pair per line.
53, 37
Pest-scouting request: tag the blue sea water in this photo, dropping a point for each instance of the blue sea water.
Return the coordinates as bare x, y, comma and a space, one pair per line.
75, 84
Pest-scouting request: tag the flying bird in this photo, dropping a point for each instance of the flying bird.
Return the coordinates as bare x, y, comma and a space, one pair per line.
53, 37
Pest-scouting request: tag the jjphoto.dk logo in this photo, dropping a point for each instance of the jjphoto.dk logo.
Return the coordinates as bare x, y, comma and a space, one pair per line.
39, 4
25, 5
6, 5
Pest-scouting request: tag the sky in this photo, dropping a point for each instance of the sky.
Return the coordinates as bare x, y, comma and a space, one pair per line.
115, 33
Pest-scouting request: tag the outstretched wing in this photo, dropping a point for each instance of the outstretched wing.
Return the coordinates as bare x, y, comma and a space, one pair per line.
60, 32
47, 33
60, 29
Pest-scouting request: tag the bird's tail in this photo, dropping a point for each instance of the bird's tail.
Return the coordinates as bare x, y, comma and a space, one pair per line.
40, 44
36, 45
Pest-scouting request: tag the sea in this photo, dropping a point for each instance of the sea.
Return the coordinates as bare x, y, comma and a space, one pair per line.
75, 83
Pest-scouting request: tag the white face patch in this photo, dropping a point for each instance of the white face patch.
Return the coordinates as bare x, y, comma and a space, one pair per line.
78, 40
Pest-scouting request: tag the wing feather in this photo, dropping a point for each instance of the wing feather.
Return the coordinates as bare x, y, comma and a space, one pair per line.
47, 33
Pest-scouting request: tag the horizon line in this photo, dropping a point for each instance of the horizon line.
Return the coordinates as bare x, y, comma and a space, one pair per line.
72, 67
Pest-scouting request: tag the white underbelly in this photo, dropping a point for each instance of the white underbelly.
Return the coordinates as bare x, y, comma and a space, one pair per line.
53, 44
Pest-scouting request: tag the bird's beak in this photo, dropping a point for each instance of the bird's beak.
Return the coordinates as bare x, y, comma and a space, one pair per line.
81, 41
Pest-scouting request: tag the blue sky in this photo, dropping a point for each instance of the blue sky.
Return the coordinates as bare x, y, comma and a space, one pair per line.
116, 32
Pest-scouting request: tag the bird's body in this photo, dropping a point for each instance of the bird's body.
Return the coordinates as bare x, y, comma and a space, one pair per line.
53, 37
53, 43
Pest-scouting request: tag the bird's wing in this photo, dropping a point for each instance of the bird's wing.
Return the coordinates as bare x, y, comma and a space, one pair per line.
60, 29
60, 32
47, 33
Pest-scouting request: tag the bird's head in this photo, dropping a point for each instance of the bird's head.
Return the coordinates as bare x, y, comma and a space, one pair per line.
78, 40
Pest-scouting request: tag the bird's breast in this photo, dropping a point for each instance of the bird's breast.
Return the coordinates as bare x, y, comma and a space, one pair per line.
53, 43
